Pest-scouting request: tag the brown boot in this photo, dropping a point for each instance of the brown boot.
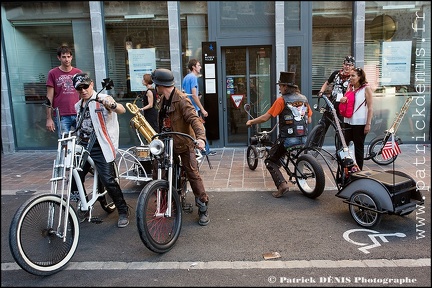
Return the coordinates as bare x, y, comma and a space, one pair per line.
281, 190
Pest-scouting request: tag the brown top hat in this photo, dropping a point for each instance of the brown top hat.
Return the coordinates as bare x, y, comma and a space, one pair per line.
287, 78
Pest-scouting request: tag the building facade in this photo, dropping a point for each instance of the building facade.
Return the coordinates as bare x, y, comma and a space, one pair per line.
242, 45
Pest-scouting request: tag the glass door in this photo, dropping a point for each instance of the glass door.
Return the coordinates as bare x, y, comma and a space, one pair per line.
246, 80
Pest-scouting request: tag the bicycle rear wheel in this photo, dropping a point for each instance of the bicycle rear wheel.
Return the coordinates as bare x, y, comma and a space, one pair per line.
35, 239
157, 231
315, 139
309, 176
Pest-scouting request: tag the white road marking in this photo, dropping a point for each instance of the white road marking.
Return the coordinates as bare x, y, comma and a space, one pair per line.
238, 265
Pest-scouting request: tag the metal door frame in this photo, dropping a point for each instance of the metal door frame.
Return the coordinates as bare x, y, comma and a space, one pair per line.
224, 118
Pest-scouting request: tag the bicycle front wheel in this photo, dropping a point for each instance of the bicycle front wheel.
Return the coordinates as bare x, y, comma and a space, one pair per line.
375, 149
252, 157
315, 139
158, 231
35, 236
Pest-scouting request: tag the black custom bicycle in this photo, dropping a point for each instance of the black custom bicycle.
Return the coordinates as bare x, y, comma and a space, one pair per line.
302, 169
161, 201
318, 133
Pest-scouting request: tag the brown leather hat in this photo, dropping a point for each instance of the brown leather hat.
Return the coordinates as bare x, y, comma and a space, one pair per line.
287, 78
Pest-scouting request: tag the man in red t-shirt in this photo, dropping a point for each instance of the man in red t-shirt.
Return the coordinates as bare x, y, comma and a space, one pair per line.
61, 94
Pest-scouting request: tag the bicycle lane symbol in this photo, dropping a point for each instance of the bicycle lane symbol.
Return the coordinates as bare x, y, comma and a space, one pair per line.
373, 235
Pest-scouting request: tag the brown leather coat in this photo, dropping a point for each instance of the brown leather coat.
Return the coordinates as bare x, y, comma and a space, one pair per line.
184, 119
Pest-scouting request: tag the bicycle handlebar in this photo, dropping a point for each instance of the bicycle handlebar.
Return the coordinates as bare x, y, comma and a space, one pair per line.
267, 132
327, 101
317, 106
169, 133
247, 108
106, 84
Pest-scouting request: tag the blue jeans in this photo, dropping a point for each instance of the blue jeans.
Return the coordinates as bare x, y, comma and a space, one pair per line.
66, 123
207, 148
294, 141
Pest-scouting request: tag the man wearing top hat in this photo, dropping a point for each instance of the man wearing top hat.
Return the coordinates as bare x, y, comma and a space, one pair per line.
294, 114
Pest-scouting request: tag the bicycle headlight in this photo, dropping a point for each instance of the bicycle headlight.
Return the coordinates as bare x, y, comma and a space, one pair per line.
156, 147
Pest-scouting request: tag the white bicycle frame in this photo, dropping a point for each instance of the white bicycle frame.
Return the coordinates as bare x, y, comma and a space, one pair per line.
67, 165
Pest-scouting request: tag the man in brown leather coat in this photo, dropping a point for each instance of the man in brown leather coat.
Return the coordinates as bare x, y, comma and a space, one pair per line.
176, 113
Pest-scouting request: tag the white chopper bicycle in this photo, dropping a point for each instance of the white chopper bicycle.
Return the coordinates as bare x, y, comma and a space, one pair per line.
44, 232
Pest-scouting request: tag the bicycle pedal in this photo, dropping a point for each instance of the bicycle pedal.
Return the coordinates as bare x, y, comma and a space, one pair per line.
187, 207
82, 215
96, 220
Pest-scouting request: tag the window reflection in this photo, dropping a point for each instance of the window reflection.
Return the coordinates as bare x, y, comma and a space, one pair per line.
194, 31
134, 25
246, 16
130, 26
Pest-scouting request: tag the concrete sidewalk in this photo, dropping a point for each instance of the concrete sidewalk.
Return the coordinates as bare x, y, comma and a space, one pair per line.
30, 171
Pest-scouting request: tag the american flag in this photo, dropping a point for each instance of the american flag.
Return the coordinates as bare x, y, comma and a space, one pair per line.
391, 149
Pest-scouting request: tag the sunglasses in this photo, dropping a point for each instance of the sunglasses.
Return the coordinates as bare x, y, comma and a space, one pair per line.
85, 86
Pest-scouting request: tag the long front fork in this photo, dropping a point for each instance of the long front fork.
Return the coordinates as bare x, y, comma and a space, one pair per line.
159, 197
63, 165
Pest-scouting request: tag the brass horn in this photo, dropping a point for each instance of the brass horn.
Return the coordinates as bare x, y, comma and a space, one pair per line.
140, 123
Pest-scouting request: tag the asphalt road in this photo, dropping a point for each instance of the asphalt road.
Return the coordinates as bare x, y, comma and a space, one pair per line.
308, 235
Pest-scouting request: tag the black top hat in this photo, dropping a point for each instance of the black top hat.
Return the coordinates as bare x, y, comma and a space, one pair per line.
287, 78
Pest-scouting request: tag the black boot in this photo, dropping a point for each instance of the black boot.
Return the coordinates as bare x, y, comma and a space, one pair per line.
123, 219
204, 218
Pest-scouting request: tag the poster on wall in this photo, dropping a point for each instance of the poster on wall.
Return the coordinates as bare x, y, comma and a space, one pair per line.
230, 85
141, 61
396, 63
